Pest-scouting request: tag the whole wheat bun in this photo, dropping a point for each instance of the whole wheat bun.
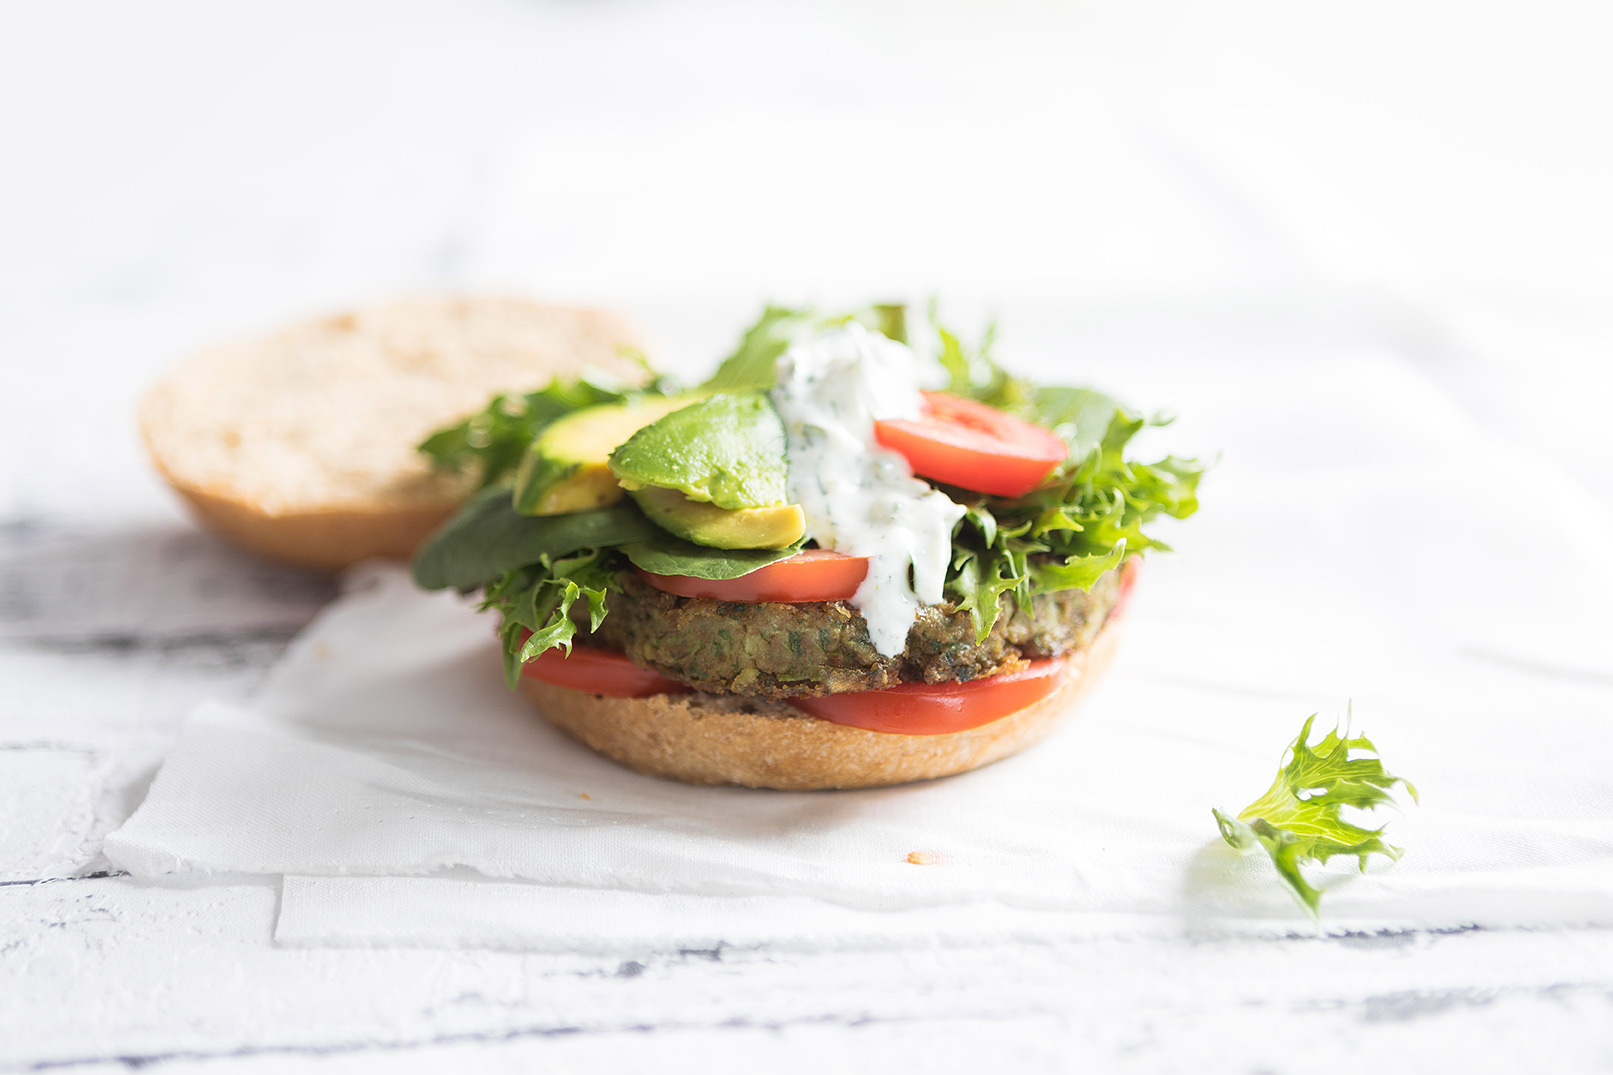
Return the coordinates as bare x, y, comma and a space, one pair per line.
300, 445
729, 739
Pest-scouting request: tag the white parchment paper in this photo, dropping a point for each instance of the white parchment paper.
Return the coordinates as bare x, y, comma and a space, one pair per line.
1401, 563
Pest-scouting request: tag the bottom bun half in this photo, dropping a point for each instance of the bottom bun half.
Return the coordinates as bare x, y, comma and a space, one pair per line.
730, 739
323, 540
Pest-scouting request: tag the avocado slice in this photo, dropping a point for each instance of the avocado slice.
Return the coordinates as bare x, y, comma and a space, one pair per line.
772, 527
567, 467
726, 450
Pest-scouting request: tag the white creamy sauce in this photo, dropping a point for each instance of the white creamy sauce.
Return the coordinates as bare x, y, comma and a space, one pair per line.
859, 498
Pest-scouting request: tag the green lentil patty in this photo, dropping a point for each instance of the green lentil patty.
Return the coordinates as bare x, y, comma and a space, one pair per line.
770, 650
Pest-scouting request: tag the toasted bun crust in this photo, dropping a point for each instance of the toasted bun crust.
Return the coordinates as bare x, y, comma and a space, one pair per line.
300, 445
728, 739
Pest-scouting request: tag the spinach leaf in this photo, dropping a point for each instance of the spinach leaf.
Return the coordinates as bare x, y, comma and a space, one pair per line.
1081, 416
487, 538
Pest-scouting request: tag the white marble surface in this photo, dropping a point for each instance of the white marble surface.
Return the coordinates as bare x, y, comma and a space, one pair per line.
1139, 186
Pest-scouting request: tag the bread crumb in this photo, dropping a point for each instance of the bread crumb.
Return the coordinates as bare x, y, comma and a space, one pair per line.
924, 858
584, 795
322, 650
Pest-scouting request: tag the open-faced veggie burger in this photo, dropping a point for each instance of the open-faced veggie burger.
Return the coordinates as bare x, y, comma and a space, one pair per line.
809, 571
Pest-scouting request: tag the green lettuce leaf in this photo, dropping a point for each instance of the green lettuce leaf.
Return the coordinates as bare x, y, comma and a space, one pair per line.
1081, 416
1075, 572
750, 367
972, 372
540, 598
492, 441
487, 538
1299, 819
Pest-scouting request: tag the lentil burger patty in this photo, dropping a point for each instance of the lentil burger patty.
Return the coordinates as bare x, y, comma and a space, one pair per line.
771, 650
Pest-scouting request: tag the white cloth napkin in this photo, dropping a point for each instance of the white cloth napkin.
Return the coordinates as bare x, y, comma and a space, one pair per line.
1403, 574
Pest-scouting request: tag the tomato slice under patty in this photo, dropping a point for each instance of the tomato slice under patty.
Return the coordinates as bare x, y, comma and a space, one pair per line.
965, 443
809, 575
939, 708
598, 671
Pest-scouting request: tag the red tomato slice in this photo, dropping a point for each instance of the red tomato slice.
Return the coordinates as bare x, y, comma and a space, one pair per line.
939, 708
969, 444
809, 575
598, 671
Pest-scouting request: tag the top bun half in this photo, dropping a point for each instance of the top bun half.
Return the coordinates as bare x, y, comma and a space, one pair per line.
300, 445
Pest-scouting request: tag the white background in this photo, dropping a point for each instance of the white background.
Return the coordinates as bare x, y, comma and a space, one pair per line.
179, 172
1132, 186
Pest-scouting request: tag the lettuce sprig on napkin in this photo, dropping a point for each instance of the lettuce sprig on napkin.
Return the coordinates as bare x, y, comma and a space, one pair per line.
1300, 819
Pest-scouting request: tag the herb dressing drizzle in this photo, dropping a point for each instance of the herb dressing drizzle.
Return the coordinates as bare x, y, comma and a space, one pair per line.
859, 498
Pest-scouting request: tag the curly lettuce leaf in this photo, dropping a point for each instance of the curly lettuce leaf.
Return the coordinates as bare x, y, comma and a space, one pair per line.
1085, 520
541, 597
1299, 819
1082, 524
1105, 499
987, 562
972, 372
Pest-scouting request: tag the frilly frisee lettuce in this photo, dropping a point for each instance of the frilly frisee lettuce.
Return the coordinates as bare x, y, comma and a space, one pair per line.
540, 598
1068, 533
1300, 818
1065, 535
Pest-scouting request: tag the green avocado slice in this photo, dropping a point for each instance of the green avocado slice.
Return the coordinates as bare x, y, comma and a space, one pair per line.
726, 450
775, 526
566, 469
